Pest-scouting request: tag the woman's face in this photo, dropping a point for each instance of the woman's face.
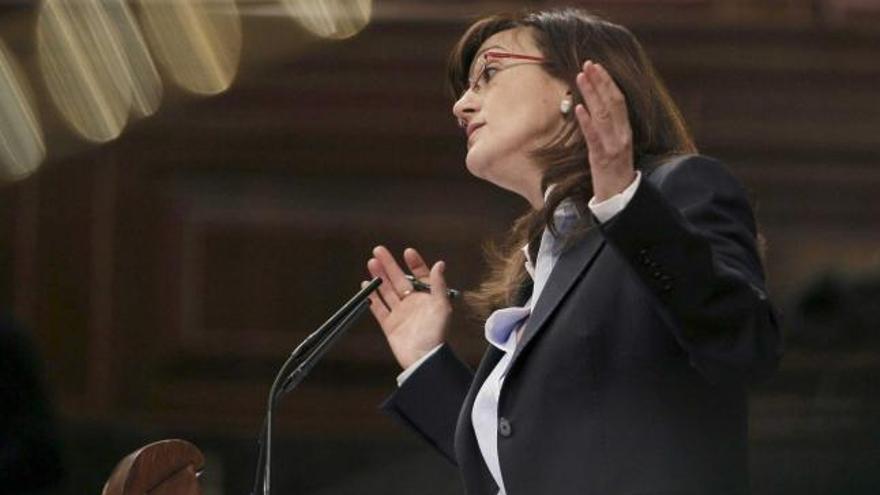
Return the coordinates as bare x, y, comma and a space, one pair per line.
513, 112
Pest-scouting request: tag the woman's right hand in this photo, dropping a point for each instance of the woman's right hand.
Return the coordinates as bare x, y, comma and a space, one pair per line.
413, 322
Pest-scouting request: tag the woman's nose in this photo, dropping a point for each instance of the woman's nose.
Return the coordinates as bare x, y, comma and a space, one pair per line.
465, 107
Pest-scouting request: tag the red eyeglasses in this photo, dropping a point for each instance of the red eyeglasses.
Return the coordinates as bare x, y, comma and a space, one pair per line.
484, 75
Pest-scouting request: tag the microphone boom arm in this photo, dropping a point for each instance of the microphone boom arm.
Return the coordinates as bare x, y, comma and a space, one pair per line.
302, 360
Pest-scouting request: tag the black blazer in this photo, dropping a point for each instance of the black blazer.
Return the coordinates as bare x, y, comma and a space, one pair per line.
631, 374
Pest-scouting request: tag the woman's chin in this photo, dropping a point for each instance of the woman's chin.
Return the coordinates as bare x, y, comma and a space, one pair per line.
475, 163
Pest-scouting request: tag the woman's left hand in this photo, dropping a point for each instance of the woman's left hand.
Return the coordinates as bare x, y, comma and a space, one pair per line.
606, 128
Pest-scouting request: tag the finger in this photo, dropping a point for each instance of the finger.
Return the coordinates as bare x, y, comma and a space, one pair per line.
416, 263
612, 131
588, 128
603, 84
377, 307
386, 291
610, 93
395, 274
594, 103
607, 87
617, 133
438, 281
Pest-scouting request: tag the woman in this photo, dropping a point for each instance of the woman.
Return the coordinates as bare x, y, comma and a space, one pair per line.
628, 311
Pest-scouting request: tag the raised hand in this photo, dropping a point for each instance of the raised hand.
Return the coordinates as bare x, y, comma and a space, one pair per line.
606, 128
413, 322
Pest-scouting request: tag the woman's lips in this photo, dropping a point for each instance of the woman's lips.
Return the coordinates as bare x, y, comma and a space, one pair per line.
472, 130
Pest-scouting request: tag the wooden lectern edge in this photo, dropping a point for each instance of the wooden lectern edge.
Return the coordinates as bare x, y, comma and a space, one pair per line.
166, 467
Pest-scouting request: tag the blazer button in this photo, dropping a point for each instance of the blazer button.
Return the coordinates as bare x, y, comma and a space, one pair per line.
504, 428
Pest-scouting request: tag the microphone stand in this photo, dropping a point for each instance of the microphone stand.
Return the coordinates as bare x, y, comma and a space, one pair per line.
298, 365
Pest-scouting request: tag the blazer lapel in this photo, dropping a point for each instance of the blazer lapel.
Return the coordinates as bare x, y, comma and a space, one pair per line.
571, 263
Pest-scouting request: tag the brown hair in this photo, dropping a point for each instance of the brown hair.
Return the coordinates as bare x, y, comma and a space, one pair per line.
567, 38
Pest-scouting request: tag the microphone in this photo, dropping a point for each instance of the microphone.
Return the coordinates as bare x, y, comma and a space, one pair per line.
298, 366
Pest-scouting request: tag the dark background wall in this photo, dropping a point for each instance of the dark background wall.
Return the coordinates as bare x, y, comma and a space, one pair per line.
165, 275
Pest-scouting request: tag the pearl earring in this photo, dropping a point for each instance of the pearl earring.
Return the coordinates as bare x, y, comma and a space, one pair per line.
565, 106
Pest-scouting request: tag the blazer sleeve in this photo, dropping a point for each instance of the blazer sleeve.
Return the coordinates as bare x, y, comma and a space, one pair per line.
430, 400
690, 235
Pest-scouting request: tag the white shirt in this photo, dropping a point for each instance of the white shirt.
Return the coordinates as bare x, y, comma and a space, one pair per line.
503, 325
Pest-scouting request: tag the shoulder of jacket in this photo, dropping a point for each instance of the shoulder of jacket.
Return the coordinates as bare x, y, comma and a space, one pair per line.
658, 170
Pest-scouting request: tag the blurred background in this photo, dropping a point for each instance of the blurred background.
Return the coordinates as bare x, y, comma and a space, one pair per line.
189, 187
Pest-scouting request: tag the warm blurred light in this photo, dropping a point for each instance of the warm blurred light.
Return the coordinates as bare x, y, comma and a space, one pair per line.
197, 41
22, 148
335, 19
83, 60
146, 86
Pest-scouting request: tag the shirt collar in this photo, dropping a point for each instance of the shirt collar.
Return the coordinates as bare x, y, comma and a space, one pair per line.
565, 212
